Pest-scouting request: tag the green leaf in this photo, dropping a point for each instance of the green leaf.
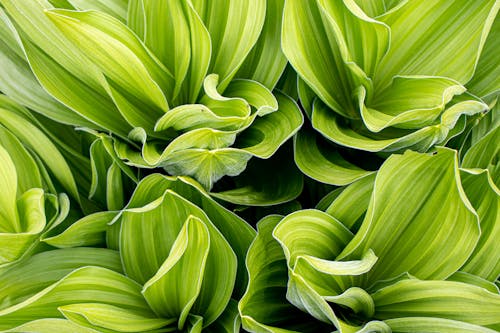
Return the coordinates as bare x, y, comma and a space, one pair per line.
426, 324
28, 175
87, 231
485, 198
419, 32
110, 317
28, 277
49, 326
197, 116
322, 68
360, 39
116, 8
337, 130
62, 69
474, 280
228, 322
165, 215
485, 153
9, 218
84, 285
134, 79
268, 133
414, 298
25, 89
322, 162
486, 79
264, 307
417, 203
37, 141
266, 62
298, 230
410, 102
374, 8
207, 166
176, 35
295, 233
235, 230
185, 266
23, 236
350, 206
234, 28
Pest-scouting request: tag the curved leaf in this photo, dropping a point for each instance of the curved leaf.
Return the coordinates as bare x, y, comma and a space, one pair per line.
87, 231
266, 62
9, 218
131, 73
429, 211
28, 175
36, 140
486, 79
234, 28
165, 215
109, 317
418, 35
185, 265
324, 165
84, 285
30, 276
426, 324
25, 89
264, 307
49, 326
439, 299
485, 198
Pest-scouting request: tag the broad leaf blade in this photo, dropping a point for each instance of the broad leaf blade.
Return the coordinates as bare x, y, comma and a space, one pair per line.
430, 211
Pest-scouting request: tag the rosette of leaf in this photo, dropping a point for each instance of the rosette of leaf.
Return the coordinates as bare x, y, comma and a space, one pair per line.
163, 85
384, 76
27, 211
416, 253
181, 265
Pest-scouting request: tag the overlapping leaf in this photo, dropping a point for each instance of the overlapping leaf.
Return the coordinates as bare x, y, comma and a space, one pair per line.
417, 224
128, 81
384, 81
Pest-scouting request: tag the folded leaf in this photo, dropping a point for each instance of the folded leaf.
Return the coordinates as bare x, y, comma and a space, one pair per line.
9, 218
87, 231
485, 198
185, 266
429, 211
324, 165
264, 307
37, 141
25, 89
165, 216
62, 69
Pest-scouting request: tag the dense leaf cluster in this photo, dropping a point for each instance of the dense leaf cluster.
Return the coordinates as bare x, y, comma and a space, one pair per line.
266, 166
